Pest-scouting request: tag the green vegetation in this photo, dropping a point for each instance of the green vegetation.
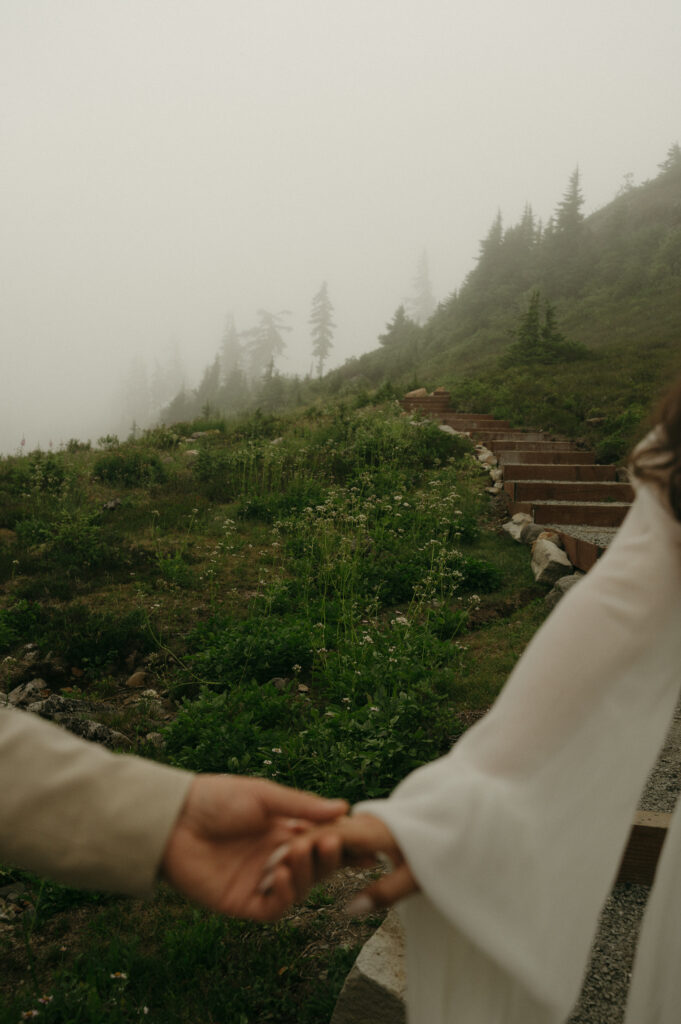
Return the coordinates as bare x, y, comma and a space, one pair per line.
319, 598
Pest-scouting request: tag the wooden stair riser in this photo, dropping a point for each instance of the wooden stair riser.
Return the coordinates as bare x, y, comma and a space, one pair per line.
548, 458
518, 471
492, 438
468, 424
557, 490
521, 444
568, 514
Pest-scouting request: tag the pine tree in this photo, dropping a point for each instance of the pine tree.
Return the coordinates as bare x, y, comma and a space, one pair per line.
401, 331
422, 305
265, 342
322, 327
569, 216
231, 352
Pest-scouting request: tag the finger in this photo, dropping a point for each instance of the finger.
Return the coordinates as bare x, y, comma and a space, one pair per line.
383, 893
293, 803
327, 855
279, 897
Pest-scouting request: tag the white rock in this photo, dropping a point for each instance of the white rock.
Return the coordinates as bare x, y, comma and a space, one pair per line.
27, 693
520, 518
549, 563
513, 529
374, 989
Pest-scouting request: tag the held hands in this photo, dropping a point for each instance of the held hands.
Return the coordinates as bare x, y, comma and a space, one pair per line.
359, 841
228, 830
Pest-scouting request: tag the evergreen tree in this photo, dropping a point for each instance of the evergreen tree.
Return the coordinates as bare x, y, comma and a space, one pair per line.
322, 327
231, 352
673, 158
422, 305
569, 216
538, 339
208, 389
265, 342
401, 331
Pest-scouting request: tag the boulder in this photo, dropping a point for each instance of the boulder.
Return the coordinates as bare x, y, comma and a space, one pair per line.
549, 562
137, 680
374, 989
515, 525
417, 393
561, 587
551, 535
530, 532
27, 693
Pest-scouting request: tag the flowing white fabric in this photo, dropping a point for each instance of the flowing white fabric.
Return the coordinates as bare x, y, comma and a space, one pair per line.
516, 835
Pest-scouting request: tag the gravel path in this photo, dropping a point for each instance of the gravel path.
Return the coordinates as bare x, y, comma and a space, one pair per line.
604, 994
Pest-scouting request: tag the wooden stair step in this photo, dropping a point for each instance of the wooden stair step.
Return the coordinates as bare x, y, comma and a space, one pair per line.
568, 490
521, 444
542, 471
584, 513
574, 458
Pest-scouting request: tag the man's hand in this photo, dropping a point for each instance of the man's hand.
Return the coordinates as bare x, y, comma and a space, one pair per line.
228, 830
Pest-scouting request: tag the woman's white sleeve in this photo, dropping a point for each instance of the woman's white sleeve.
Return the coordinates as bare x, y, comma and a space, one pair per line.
515, 836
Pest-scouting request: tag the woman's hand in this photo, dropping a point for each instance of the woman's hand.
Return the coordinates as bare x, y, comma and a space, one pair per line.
358, 841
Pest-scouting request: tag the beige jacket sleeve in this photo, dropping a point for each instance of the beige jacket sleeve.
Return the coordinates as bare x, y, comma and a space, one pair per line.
80, 814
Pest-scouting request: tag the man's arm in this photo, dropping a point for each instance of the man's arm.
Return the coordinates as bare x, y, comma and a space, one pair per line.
76, 812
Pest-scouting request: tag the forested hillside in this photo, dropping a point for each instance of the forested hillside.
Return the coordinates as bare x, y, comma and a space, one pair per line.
572, 326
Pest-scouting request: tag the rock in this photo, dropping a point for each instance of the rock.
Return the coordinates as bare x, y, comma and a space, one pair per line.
277, 440
137, 680
374, 989
561, 587
622, 475
111, 506
418, 393
494, 489
549, 562
7, 537
531, 532
191, 453
95, 732
446, 429
551, 535
515, 524
53, 670
52, 707
496, 474
150, 694
279, 682
27, 693
155, 739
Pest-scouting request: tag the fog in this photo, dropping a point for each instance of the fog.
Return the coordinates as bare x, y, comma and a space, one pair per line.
166, 164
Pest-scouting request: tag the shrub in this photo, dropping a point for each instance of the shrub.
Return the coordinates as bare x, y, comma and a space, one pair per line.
132, 467
260, 648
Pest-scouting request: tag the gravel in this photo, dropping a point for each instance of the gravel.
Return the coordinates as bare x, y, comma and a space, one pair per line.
604, 995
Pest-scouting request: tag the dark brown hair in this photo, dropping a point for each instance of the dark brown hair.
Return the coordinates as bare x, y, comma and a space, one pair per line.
660, 460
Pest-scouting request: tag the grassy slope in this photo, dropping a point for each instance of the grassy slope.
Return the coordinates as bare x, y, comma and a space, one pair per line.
202, 555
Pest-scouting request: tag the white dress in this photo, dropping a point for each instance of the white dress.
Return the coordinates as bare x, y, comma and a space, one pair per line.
516, 835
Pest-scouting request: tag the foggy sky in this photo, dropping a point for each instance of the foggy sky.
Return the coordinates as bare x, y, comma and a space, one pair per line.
164, 163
